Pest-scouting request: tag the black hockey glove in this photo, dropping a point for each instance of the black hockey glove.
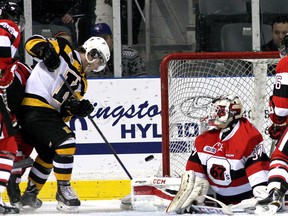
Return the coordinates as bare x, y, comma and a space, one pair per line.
50, 57
79, 108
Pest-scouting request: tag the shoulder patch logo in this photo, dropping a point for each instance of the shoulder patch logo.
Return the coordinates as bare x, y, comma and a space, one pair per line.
210, 149
213, 149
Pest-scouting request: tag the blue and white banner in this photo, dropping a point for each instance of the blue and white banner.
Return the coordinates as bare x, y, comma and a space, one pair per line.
128, 113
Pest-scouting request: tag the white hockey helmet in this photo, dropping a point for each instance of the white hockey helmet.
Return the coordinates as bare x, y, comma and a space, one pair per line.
97, 48
224, 110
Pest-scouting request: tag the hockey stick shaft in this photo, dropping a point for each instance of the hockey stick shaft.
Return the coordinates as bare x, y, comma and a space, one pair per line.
27, 162
98, 130
272, 148
6, 119
110, 146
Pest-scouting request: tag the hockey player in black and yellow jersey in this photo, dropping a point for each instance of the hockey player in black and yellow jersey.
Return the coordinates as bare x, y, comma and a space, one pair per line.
48, 103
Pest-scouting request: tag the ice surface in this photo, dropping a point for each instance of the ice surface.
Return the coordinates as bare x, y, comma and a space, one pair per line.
99, 208
104, 208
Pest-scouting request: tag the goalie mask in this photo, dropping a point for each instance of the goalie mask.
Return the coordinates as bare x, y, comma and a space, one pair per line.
224, 110
97, 48
13, 12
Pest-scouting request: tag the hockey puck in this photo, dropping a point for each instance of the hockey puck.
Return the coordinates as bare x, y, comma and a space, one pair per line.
149, 158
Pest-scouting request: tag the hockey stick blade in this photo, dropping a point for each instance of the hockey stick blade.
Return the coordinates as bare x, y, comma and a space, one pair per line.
244, 206
210, 210
27, 162
224, 208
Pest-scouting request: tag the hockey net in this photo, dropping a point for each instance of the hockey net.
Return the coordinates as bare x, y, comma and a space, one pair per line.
189, 81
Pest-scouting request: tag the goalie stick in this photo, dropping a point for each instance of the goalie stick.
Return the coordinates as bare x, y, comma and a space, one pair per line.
223, 209
246, 205
98, 129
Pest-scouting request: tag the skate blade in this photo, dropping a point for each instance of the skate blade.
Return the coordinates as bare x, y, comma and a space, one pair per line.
28, 209
32, 207
126, 206
17, 205
126, 203
62, 207
9, 210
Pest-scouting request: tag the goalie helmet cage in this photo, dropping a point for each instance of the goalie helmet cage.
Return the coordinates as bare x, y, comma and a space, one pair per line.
189, 82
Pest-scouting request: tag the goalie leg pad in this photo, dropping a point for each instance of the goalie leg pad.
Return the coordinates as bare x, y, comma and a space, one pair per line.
192, 188
151, 194
186, 187
201, 187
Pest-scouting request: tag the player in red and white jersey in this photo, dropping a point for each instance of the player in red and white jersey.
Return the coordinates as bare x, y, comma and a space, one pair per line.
13, 76
278, 173
13, 95
229, 156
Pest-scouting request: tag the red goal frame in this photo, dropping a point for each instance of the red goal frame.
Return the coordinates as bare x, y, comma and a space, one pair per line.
164, 88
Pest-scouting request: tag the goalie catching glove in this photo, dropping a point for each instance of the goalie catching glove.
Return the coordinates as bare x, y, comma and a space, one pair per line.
79, 108
192, 190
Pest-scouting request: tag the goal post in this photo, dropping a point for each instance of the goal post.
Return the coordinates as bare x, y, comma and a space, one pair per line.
190, 81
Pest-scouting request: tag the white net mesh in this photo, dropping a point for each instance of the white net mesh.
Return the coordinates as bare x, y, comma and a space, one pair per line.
193, 83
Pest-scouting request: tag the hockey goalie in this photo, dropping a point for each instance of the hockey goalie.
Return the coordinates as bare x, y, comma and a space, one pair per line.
228, 159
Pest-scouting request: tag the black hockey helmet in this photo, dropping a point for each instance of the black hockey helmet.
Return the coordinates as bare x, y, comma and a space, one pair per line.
12, 11
284, 46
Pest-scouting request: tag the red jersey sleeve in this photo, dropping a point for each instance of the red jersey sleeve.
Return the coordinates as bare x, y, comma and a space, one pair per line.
10, 38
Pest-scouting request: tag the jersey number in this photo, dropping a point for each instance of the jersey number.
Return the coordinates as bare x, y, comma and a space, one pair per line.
63, 92
278, 79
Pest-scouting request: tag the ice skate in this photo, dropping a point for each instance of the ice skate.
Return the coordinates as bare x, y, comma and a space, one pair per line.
29, 198
271, 204
67, 199
5, 209
126, 203
13, 192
